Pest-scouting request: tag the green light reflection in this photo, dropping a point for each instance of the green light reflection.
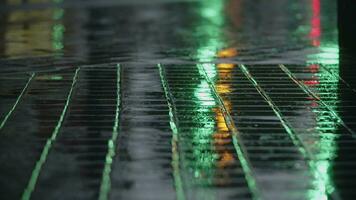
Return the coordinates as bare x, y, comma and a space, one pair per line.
328, 55
203, 94
211, 34
327, 60
326, 128
57, 36
58, 28
204, 153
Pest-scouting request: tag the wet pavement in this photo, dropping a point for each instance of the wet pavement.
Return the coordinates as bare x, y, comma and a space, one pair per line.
218, 99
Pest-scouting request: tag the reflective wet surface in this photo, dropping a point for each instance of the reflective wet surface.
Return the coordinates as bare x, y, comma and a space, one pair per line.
173, 99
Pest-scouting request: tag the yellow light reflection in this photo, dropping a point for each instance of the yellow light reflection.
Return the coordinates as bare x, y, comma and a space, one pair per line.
227, 53
226, 159
225, 70
221, 125
223, 135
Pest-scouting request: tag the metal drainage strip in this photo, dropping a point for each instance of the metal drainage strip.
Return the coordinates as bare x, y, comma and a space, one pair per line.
240, 148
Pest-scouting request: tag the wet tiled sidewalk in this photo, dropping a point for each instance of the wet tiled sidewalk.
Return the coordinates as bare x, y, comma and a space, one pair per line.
196, 100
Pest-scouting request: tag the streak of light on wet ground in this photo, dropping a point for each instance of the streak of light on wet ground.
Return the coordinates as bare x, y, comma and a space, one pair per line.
218, 99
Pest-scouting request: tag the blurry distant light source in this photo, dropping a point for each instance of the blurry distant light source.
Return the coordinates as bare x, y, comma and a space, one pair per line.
315, 31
